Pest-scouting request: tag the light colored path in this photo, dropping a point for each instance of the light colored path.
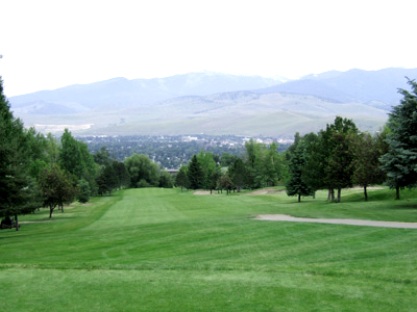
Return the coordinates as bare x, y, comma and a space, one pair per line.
386, 224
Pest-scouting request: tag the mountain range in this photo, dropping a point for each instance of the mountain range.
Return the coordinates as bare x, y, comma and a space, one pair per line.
213, 103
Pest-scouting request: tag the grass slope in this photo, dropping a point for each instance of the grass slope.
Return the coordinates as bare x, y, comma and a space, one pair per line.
166, 250
235, 113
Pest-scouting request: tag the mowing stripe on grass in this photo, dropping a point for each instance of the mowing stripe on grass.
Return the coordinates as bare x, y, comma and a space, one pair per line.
167, 250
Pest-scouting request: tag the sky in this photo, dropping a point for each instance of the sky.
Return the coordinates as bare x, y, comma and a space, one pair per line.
47, 44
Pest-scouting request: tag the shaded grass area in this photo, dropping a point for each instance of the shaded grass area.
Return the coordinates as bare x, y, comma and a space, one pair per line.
166, 250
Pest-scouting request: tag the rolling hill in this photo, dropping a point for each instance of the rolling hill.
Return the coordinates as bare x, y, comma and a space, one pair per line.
216, 104
376, 88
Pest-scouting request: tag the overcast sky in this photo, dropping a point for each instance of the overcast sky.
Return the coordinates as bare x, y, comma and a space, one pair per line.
47, 44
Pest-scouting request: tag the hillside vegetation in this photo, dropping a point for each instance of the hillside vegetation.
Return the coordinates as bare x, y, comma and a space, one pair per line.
166, 250
216, 104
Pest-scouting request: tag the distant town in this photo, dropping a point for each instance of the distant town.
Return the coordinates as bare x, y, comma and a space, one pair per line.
173, 151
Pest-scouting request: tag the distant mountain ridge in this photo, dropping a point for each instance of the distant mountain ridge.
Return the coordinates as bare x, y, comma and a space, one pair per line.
216, 103
352, 86
137, 92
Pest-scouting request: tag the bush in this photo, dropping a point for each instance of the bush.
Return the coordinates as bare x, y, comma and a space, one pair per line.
142, 183
83, 191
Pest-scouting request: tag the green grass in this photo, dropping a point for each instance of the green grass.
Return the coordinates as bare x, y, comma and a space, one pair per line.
167, 250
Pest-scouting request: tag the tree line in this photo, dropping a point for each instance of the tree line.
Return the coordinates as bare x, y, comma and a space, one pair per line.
39, 170
340, 156
42, 171
261, 165
337, 157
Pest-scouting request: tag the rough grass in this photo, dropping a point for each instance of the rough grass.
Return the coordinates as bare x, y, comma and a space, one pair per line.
167, 250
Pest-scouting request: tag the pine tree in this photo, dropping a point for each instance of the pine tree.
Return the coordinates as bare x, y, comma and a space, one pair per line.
15, 184
400, 162
297, 185
181, 179
195, 174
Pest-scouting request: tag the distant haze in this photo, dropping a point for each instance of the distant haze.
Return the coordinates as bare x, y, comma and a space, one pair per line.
216, 104
49, 44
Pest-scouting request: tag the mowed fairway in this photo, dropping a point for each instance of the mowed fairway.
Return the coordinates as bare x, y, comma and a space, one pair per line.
167, 250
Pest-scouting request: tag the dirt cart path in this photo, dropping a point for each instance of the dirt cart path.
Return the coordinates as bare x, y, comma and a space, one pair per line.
386, 224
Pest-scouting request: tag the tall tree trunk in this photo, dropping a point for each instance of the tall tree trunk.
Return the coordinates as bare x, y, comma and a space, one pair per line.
339, 194
397, 192
330, 195
51, 210
299, 197
365, 192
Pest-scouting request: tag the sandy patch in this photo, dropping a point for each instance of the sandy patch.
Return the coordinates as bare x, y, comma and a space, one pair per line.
266, 191
201, 192
385, 224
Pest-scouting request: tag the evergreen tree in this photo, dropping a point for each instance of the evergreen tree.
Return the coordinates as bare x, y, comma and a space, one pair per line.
315, 156
296, 185
106, 180
195, 174
181, 179
16, 187
400, 162
237, 173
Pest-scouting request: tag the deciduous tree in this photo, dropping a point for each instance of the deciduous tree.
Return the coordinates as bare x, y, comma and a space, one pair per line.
366, 168
76, 159
142, 171
339, 170
56, 187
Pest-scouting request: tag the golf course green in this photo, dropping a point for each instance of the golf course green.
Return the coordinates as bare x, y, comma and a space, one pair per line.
156, 249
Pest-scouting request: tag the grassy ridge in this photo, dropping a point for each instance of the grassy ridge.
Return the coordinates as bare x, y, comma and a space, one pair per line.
166, 250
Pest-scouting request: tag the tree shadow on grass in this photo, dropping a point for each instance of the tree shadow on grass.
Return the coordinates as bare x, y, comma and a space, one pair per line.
409, 206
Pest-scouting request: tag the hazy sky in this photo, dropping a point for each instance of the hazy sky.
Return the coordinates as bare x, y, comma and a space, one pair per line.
48, 44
